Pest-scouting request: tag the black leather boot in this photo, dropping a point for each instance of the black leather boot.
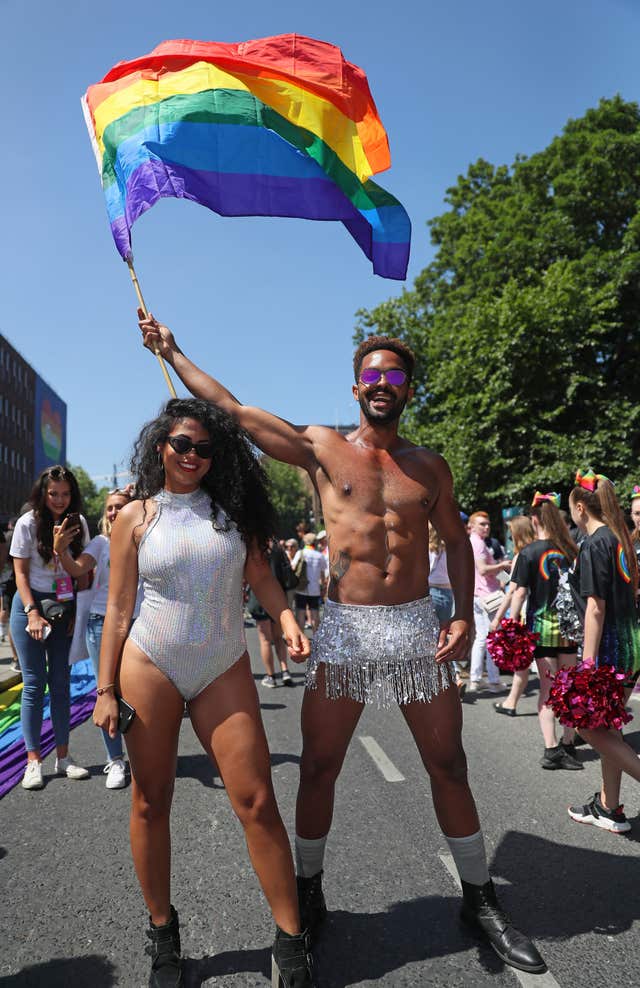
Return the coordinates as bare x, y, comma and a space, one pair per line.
166, 965
313, 908
481, 911
291, 961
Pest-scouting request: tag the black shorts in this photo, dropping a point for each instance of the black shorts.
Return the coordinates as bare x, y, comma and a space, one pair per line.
306, 600
549, 652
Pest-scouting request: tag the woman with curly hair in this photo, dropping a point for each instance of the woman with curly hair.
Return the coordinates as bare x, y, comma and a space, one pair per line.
42, 617
200, 526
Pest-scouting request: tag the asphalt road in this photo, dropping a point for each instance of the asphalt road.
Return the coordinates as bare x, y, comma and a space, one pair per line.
72, 916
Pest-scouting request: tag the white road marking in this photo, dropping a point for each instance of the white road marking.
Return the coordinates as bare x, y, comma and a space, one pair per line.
545, 980
381, 761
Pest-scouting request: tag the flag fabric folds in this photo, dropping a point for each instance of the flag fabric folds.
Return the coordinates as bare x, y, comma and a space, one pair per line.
281, 126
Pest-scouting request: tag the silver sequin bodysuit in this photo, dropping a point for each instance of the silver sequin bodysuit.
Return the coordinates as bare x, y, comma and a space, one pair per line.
191, 622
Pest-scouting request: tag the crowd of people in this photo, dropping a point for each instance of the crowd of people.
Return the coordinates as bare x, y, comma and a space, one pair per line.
399, 596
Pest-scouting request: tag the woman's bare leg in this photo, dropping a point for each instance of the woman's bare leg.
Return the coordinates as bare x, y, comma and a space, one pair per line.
518, 686
226, 719
264, 638
547, 668
152, 745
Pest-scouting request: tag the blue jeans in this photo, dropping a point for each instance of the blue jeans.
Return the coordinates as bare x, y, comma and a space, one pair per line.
442, 599
94, 637
42, 662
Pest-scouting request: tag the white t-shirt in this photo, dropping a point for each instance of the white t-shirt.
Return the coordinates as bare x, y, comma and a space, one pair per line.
317, 569
24, 545
438, 572
100, 550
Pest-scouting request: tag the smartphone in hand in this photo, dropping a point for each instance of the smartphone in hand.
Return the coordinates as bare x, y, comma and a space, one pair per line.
73, 520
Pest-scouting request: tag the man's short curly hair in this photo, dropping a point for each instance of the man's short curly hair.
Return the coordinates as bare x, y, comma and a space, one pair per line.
371, 343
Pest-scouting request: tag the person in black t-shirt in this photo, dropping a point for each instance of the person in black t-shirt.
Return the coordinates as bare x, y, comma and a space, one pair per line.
605, 584
537, 574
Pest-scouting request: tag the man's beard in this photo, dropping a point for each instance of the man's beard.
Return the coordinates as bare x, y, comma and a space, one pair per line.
384, 416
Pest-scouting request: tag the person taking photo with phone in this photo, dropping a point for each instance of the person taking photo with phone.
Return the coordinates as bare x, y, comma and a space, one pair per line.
42, 615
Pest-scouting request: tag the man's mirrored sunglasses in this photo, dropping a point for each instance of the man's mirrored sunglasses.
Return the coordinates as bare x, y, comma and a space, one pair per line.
371, 375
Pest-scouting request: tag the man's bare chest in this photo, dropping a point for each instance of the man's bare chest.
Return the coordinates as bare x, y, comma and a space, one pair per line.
377, 485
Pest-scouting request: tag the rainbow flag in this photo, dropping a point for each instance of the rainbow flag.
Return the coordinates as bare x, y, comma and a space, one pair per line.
281, 126
13, 756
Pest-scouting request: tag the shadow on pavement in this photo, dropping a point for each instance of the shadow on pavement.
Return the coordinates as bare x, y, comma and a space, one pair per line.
359, 948
63, 972
540, 869
282, 759
198, 970
198, 767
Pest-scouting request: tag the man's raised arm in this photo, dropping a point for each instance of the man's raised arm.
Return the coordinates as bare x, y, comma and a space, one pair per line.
276, 437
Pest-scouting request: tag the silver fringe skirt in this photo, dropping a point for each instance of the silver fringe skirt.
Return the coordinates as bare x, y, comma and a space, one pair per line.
379, 653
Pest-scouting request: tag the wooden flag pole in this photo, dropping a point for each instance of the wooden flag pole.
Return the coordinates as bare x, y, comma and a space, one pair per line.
141, 303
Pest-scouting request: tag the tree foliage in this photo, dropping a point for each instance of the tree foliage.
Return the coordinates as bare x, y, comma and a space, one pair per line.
526, 323
292, 502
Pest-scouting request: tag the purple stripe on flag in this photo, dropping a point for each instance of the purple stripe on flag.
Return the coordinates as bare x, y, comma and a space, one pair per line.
256, 195
14, 758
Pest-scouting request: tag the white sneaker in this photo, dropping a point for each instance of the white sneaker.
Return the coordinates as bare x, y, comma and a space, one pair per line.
269, 682
67, 766
496, 687
32, 778
115, 773
477, 684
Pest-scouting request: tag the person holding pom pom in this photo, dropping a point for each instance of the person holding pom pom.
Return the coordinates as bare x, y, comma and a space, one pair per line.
605, 583
537, 575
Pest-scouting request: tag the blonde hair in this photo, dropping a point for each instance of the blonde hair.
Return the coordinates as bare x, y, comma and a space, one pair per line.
521, 532
435, 542
105, 525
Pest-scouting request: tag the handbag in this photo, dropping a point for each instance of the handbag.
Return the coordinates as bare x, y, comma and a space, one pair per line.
492, 601
55, 610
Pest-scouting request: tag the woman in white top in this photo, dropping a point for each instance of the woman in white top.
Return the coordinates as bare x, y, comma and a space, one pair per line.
42, 617
96, 554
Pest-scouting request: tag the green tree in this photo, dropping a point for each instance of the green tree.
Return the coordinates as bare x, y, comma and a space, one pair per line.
526, 323
291, 500
92, 498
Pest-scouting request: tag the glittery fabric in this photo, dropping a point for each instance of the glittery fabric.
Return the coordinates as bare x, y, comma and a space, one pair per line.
191, 622
379, 654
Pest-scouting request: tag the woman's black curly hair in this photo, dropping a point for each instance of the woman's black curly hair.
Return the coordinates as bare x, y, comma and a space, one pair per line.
44, 518
236, 482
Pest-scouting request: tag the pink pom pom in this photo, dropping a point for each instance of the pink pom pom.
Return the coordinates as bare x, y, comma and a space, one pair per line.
583, 696
511, 646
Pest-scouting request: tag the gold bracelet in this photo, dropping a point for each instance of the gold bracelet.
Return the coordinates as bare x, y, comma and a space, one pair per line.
103, 689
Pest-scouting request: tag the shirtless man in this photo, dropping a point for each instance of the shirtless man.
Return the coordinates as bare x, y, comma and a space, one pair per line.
379, 640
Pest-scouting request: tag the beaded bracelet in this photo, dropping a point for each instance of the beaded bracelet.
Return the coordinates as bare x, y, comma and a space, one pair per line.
103, 689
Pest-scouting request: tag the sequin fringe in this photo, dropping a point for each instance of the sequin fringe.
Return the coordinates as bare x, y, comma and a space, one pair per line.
379, 654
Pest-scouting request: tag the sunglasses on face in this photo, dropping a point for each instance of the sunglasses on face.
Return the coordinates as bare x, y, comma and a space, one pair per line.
371, 375
182, 444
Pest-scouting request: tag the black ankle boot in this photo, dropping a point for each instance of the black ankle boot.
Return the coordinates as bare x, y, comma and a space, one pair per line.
166, 965
291, 961
481, 911
313, 908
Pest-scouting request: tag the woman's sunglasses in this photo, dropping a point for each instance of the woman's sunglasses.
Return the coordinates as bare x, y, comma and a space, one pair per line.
182, 445
371, 375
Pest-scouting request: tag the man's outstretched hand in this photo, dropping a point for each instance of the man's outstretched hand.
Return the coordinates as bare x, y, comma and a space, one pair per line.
156, 337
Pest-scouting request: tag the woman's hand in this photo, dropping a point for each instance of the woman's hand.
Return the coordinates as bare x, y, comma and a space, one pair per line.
298, 644
105, 713
156, 337
36, 625
495, 624
63, 537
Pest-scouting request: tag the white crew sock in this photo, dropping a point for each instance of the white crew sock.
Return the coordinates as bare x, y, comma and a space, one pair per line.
3, 630
470, 858
309, 856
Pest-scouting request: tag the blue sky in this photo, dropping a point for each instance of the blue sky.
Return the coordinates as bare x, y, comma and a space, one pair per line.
265, 304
